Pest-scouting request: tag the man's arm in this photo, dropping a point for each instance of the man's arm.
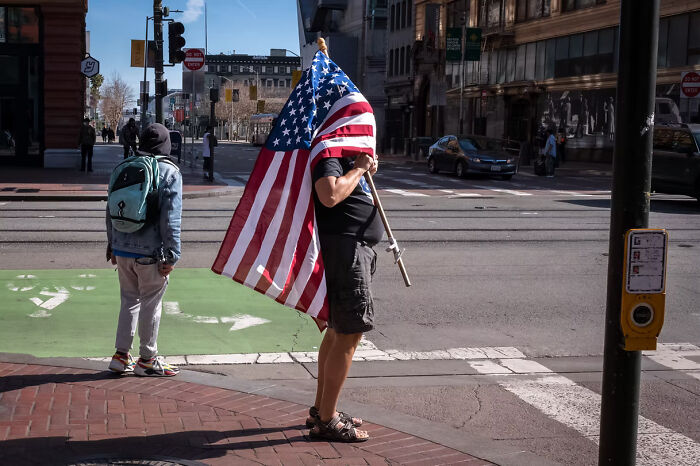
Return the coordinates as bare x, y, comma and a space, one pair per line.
171, 218
332, 190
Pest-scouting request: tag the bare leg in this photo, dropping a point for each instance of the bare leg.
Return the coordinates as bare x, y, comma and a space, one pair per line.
337, 362
326, 344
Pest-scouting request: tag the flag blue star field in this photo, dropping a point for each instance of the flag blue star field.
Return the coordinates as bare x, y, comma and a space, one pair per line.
272, 243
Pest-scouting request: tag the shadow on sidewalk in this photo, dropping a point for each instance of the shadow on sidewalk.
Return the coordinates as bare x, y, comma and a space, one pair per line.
189, 446
18, 382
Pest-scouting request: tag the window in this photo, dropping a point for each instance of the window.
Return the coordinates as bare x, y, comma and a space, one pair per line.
550, 59
398, 16
390, 66
289, 70
590, 52
570, 5
491, 13
510, 70
540, 61
502, 66
262, 68
392, 17
694, 40
402, 60
408, 10
406, 15
520, 63
677, 41
663, 43
532, 9
493, 67
396, 62
276, 69
269, 82
575, 55
21, 25
530, 60
561, 64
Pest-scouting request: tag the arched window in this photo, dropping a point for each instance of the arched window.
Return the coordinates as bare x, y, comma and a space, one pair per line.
402, 63
399, 16
396, 62
403, 16
391, 63
392, 17
409, 9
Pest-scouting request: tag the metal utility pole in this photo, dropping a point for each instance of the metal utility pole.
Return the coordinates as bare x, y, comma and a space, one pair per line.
144, 89
636, 86
158, 37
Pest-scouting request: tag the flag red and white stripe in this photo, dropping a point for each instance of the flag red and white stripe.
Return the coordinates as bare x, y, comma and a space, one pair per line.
272, 242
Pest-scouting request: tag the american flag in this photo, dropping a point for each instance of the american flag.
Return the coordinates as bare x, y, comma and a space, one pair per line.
272, 243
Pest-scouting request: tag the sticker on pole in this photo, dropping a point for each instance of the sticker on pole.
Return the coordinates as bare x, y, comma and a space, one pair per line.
194, 59
690, 84
646, 261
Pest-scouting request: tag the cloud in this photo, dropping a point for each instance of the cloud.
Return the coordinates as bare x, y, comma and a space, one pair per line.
194, 9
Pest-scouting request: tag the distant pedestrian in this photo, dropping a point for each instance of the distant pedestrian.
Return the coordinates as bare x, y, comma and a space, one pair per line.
128, 137
104, 134
110, 135
208, 143
144, 260
87, 140
550, 153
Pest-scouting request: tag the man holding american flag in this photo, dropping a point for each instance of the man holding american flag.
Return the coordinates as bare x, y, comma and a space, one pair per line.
303, 231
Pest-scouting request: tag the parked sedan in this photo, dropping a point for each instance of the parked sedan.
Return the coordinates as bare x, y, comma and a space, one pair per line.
675, 166
465, 156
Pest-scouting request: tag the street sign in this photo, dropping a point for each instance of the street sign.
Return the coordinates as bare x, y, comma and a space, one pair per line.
194, 59
89, 67
453, 44
472, 46
690, 85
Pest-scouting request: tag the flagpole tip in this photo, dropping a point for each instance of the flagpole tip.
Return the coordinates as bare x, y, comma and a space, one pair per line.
322, 45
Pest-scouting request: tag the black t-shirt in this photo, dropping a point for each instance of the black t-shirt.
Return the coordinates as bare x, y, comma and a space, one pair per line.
356, 216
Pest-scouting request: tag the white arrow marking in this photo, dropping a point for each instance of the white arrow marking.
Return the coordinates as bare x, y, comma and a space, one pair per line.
87, 275
26, 276
241, 321
12, 287
83, 288
58, 297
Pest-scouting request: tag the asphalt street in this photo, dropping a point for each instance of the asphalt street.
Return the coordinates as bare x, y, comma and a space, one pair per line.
499, 340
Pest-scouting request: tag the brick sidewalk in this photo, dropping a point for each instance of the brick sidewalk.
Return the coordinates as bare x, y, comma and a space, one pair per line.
54, 415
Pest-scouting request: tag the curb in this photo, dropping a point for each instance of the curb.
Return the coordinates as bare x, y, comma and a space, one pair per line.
480, 447
223, 191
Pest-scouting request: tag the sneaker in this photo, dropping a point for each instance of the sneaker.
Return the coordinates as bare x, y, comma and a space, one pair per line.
122, 364
155, 367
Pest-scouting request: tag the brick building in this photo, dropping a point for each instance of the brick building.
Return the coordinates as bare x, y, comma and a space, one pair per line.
42, 92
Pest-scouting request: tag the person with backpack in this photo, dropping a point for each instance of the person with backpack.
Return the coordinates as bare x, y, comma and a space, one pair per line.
128, 137
87, 140
144, 213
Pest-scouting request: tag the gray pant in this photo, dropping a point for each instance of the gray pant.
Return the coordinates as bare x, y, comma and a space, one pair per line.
141, 290
549, 163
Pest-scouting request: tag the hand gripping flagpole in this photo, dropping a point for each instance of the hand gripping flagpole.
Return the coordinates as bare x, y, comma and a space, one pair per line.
393, 245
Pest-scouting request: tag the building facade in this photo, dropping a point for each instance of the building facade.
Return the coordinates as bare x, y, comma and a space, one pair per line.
398, 87
42, 92
355, 32
272, 71
553, 63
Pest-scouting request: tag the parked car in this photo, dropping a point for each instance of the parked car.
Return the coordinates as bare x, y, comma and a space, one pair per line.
675, 166
466, 155
666, 111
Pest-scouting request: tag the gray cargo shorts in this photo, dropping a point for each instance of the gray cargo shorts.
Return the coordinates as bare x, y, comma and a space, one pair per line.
349, 266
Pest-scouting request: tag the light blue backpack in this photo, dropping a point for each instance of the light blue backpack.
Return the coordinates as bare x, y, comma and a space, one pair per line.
132, 197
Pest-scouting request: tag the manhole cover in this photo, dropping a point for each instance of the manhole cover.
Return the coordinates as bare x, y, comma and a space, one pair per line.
153, 461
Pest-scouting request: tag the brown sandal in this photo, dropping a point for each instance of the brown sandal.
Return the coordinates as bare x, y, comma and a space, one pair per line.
346, 418
336, 430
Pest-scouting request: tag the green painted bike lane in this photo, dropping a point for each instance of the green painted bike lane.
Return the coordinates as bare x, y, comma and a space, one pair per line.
74, 313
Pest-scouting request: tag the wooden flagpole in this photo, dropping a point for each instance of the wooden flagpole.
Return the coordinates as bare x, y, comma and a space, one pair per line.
393, 245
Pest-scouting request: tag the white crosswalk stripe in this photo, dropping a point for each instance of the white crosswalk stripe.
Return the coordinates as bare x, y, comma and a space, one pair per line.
675, 356
406, 193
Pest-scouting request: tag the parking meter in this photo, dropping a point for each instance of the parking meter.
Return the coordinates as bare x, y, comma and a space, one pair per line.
644, 288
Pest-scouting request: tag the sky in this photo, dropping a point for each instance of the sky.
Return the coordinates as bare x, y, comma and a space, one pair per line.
245, 26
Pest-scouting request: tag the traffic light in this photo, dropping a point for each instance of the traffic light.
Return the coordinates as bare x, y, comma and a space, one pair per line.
162, 88
214, 94
176, 42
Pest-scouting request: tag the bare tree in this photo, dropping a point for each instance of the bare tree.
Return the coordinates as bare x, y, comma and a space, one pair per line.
237, 114
116, 94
